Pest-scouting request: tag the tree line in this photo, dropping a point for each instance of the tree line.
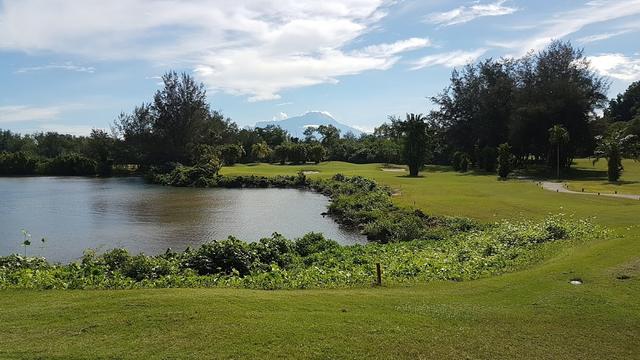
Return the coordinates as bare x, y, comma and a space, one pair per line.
544, 108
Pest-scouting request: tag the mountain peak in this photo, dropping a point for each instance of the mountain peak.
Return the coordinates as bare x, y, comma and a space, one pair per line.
319, 113
297, 124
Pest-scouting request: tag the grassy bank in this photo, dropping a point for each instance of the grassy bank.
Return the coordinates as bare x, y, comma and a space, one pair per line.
534, 313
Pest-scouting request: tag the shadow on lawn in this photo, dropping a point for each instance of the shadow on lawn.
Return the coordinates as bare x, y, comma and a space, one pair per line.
407, 176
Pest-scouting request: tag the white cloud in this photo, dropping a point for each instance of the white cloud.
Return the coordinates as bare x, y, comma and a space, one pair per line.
600, 37
617, 66
323, 112
385, 50
465, 14
21, 113
566, 23
255, 48
67, 66
364, 129
280, 116
448, 59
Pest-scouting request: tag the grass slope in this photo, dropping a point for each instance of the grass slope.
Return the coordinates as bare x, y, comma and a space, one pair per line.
528, 314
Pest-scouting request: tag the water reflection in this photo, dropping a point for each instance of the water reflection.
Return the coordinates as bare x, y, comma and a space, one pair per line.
79, 213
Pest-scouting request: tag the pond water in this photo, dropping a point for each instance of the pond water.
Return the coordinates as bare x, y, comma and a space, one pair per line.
75, 214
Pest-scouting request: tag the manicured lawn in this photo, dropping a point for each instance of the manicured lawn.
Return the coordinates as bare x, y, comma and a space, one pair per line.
593, 177
533, 313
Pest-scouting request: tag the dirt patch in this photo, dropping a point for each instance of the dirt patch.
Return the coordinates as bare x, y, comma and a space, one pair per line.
393, 169
627, 271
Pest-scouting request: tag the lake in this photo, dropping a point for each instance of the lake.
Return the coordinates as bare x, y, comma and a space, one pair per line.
75, 214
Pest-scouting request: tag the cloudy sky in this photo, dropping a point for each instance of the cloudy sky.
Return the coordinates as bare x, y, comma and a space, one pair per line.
72, 65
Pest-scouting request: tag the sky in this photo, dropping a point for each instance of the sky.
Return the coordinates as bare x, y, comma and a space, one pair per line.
74, 65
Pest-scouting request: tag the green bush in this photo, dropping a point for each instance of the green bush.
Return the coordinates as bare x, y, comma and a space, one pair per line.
71, 165
460, 161
17, 163
311, 261
505, 160
313, 243
224, 256
274, 250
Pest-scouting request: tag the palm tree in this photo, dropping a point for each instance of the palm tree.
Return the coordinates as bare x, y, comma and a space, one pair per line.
415, 142
614, 147
558, 135
260, 150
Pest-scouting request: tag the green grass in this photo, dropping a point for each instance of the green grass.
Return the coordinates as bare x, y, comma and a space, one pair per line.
593, 177
532, 313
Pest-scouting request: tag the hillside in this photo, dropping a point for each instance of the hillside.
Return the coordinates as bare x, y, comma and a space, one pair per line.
297, 124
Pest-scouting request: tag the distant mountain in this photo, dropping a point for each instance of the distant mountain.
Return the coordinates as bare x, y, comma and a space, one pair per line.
296, 125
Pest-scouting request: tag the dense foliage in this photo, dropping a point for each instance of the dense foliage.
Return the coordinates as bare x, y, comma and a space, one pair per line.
519, 100
308, 262
415, 142
613, 147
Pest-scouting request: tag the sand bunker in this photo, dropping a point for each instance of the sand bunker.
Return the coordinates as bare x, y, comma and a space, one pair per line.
309, 172
393, 169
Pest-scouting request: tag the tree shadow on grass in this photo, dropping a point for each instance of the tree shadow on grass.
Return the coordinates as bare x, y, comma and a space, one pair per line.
585, 174
410, 176
620, 182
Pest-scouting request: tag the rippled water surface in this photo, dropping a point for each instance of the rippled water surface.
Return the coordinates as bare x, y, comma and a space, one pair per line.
79, 213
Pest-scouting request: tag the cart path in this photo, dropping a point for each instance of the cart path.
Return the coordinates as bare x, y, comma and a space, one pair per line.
562, 187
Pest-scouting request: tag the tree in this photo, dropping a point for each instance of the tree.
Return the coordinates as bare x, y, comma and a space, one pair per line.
614, 147
177, 119
231, 153
558, 135
317, 153
100, 147
415, 142
282, 152
505, 160
273, 135
297, 153
260, 151
517, 100
625, 106
181, 114
206, 160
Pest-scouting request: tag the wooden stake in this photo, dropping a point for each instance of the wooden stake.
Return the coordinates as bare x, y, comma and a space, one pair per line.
379, 275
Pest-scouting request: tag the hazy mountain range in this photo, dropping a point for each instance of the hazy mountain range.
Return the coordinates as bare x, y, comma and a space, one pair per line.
297, 124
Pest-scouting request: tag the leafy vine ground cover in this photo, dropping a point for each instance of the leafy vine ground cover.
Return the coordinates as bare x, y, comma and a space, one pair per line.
411, 246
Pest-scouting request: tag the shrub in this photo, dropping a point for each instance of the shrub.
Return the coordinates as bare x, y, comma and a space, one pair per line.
317, 153
505, 160
460, 161
311, 261
223, 256
399, 226
274, 250
455, 160
71, 164
464, 163
313, 243
17, 163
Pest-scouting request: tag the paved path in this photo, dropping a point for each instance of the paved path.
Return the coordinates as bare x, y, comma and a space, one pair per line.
562, 187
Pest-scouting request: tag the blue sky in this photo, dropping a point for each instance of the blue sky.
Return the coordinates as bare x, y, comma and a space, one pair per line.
73, 65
